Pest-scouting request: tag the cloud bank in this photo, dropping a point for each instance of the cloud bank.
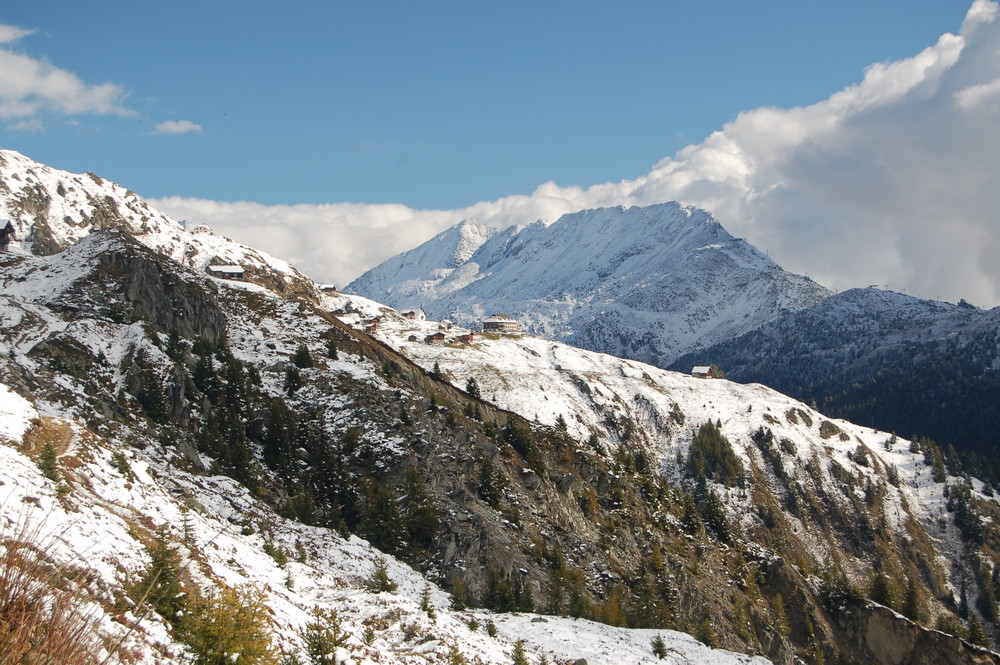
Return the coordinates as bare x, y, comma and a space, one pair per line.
892, 181
29, 86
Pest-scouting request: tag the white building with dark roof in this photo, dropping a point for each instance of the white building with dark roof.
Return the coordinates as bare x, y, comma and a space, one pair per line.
501, 323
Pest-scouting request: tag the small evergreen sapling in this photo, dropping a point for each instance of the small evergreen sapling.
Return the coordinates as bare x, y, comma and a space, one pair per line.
379, 580
659, 647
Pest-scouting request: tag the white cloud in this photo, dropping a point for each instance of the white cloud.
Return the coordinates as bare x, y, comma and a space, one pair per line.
891, 181
176, 127
29, 86
11, 33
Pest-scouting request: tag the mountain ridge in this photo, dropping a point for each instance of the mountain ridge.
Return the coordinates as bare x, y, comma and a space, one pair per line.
917, 367
648, 283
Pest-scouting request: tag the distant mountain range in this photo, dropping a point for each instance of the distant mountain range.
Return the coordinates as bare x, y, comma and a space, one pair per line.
647, 283
892, 361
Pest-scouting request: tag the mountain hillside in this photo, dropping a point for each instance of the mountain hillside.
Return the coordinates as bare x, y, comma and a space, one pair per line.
838, 499
162, 429
52, 209
916, 367
648, 283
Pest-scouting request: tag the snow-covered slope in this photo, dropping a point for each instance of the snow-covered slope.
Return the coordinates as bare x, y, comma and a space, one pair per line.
648, 283
116, 496
52, 209
76, 343
809, 465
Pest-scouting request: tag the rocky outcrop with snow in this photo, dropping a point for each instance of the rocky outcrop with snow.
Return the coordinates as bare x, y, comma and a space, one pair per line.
647, 283
52, 209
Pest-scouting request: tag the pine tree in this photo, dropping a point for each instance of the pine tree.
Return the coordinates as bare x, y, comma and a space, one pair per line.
882, 590
519, 657
48, 462
302, 358
914, 603
418, 511
561, 423
472, 387
331, 350
293, 380
160, 586
489, 488
232, 621
780, 616
379, 580
459, 595
323, 635
711, 456
659, 647
381, 523
705, 633
977, 634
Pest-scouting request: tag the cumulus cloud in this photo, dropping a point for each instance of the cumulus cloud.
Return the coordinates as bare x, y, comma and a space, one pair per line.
891, 181
29, 86
176, 127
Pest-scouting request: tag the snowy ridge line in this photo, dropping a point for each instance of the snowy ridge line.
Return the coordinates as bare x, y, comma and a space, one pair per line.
52, 209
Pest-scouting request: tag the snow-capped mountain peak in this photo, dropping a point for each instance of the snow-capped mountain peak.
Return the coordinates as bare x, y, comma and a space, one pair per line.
648, 283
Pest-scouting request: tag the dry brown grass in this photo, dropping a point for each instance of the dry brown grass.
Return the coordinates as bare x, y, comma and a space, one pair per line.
43, 431
43, 619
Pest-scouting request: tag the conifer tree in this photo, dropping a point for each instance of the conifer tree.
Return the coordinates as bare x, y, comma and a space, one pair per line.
232, 621
659, 647
379, 580
160, 586
302, 358
489, 488
561, 423
323, 635
48, 461
977, 634
472, 387
419, 512
293, 380
459, 595
519, 657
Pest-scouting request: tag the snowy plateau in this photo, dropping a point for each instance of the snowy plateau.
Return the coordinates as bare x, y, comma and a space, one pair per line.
269, 435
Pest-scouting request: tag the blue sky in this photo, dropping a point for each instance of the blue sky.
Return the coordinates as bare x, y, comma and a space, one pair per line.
855, 142
432, 104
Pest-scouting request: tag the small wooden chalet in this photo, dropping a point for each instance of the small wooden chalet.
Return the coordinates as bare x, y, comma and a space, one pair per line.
227, 272
412, 338
415, 314
702, 371
501, 323
371, 328
436, 337
465, 339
